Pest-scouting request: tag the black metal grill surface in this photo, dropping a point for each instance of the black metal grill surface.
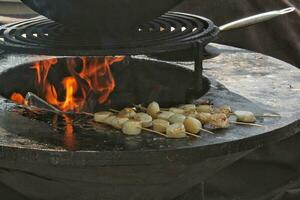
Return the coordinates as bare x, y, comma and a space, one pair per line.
170, 32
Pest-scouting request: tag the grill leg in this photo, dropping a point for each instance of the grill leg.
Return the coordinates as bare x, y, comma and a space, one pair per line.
198, 73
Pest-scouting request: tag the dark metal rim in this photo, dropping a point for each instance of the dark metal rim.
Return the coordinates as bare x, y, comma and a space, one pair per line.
180, 31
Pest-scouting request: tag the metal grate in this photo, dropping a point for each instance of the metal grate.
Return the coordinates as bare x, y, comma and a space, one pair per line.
170, 32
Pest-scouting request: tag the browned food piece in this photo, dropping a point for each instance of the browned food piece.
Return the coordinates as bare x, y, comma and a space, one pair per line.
192, 125
219, 120
225, 109
176, 130
204, 117
160, 125
127, 113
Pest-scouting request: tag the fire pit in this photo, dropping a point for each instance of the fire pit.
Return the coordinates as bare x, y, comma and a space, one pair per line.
66, 155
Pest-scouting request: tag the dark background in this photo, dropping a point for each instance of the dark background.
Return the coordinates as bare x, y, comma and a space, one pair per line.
279, 38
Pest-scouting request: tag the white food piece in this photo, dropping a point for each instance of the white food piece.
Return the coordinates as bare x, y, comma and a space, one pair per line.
177, 118
176, 130
204, 117
225, 109
205, 108
160, 125
245, 116
177, 110
132, 127
188, 107
118, 122
219, 120
101, 116
192, 125
144, 118
127, 113
153, 108
165, 115
109, 120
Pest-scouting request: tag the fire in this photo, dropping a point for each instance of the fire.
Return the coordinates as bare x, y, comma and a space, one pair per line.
92, 78
18, 98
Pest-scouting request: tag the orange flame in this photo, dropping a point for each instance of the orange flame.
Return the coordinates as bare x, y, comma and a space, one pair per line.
95, 77
18, 98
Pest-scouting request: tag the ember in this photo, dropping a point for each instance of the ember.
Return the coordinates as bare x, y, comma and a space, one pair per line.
93, 79
18, 98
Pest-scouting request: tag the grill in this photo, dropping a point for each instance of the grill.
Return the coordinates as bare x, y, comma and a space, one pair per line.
175, 31
62, 156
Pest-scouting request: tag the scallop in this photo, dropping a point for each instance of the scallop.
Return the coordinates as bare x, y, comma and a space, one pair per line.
101, 116
219, 120
127, 113
192, 125
165, 115
177, 118
203, 117
118, 122
153, 109
205, 108
245, 116
109, 120
160, 125
177, 110
144, 118
225, 109
132, 127
176, 130
188, 107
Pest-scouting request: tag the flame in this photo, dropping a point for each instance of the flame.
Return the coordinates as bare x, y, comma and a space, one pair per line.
18, 98
94, 77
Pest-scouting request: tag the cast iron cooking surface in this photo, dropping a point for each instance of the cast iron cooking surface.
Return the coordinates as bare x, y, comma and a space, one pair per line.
108, 17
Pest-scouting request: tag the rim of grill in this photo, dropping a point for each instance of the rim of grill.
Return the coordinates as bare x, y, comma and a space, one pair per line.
170, 32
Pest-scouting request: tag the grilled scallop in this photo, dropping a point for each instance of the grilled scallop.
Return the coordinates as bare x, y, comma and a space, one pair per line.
144, 118
177, 110
219, 120
101, 116
153, 109
176, 130
132, 127
192, 125
203, 117
225, 109
127, 113
160, 125
188, 107
118, 122
164, 115
109, 120
205, 108
177, 118
245, 116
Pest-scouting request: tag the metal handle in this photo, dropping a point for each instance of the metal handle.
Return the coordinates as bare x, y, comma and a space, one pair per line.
248, 21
